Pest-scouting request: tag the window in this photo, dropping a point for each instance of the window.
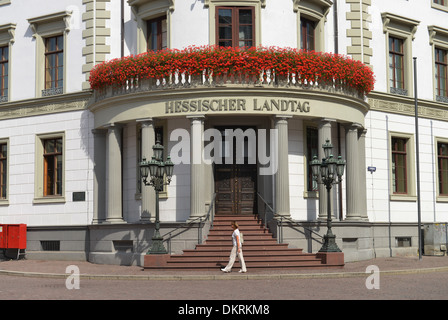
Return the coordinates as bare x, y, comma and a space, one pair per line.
157, 34
441, 2
442, 160
312, 150
52, 167
54, 63
399, 35
396, 64
307, 30
235, 26
441, 72
4, 73
399, 165
3, 170
51, 35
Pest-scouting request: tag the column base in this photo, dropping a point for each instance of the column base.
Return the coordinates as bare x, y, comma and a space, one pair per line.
114, 220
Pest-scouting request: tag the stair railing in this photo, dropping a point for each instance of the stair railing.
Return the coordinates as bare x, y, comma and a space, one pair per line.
277, 216
202, 219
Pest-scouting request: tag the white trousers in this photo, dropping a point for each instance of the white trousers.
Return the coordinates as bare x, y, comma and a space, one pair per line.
232, 260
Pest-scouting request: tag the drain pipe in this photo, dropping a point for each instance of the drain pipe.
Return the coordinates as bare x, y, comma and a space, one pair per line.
335, 26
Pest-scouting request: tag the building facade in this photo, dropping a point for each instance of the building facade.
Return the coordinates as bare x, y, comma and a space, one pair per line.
70, 153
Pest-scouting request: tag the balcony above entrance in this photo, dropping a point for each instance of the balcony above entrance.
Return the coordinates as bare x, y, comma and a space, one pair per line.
210, 78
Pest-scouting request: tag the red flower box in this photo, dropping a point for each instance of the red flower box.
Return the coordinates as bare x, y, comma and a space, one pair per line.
306, 66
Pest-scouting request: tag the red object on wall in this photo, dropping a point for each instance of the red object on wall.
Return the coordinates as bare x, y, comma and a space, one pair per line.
13, 236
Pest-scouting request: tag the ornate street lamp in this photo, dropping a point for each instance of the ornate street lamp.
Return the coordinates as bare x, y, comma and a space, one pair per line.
328, 172
157, 170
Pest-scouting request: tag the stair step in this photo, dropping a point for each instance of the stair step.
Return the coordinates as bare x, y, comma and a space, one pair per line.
260, 248
254, 251
249, 265
247, 258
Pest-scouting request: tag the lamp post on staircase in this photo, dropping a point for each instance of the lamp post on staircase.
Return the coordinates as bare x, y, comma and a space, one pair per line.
157, 169
329, 171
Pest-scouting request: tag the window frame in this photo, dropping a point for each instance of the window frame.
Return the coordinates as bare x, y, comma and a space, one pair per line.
440, 197
438, 40
159, 20
402, 28
45, 27
304, 33
7, 33
235, 24
40, 195
410, 194
51, 157
256, 4
314, 11
55, 53
4, 170
439, 65
443, 7
392, 63
145, 10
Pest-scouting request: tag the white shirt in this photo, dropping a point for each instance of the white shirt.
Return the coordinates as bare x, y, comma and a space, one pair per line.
236, 233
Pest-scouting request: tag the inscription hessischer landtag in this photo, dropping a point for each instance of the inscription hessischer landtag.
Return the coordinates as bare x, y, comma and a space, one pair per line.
236, 105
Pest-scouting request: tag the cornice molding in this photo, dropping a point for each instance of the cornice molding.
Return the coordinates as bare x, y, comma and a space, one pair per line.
7, 32
63, 16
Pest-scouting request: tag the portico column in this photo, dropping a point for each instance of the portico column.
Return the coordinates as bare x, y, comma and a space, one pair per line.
282, 175
148, 194
114, 176
99, 175
352, 176
197, 205
323, 133
362, 174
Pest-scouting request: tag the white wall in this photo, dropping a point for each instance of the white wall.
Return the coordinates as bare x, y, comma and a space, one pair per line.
78, 169
23, 51
379, 208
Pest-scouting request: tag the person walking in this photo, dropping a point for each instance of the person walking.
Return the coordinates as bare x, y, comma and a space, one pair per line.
237, 249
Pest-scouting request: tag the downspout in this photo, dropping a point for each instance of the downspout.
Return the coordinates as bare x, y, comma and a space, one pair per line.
122, 28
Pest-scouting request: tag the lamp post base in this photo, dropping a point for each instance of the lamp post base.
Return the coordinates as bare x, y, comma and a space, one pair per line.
157, 246
330, 244
155, 260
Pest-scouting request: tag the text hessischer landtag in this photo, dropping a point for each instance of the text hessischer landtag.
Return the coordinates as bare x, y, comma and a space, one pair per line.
237, 105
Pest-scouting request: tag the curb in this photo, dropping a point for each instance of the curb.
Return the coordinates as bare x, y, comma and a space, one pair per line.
220, 277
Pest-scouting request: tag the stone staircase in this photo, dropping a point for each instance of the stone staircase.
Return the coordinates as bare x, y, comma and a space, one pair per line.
260, 249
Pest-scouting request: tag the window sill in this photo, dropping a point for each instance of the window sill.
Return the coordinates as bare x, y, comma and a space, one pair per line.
4, 202
439, 7
404, 197
442, 199
48, 200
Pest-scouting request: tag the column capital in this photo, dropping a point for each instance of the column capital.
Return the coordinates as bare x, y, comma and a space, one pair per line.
99, 131
282, 117
145, 121
196, 117
113, 125
353, 126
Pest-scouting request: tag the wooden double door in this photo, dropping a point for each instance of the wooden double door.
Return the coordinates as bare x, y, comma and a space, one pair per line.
236, 184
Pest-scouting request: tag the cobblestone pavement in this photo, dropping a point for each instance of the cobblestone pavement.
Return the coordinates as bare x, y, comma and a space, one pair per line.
398, 278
